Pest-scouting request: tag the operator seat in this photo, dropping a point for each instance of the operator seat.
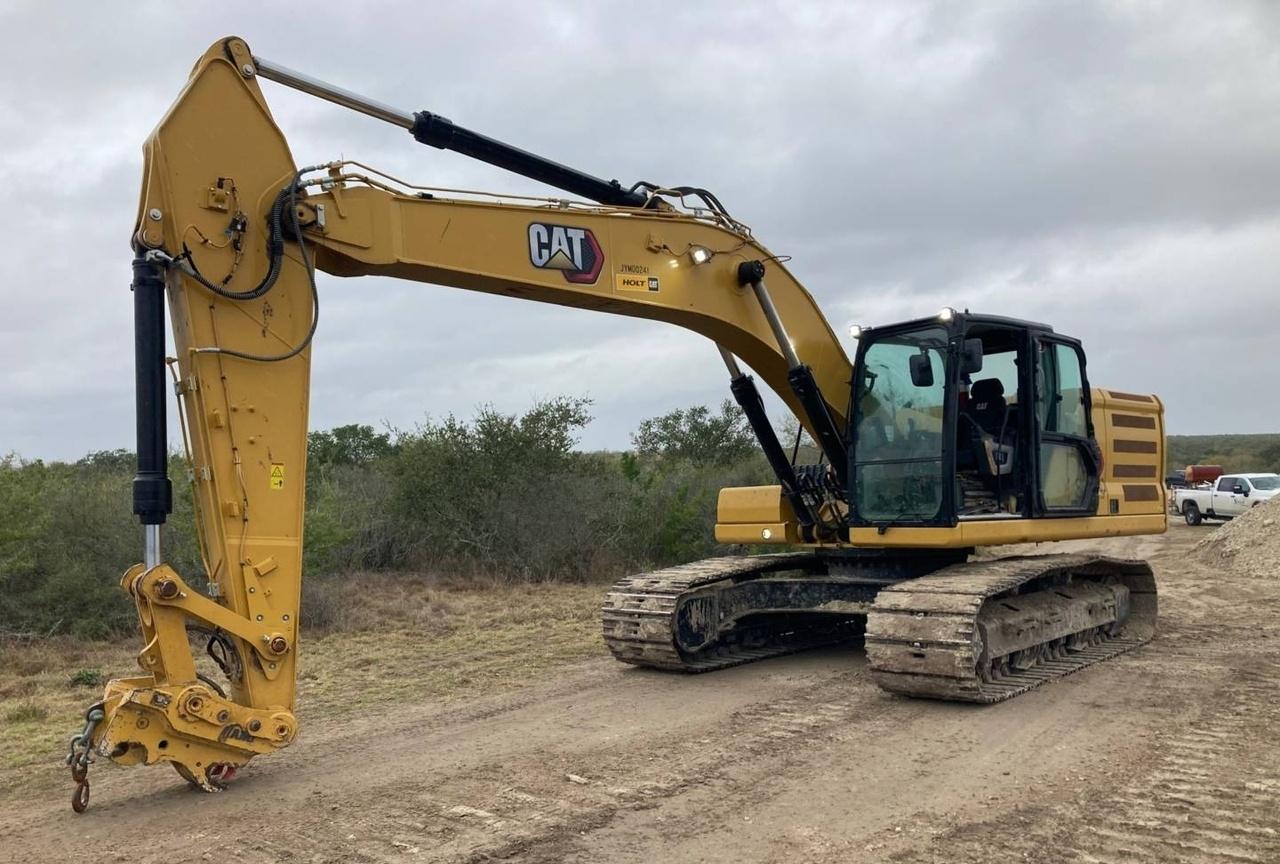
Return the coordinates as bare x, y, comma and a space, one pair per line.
990, 442
987, 405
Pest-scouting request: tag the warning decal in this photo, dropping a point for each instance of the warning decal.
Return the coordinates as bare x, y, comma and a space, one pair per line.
277, 475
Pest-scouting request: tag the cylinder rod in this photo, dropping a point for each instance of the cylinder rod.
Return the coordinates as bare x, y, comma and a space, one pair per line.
775, 323
315, 87
150, 546
800, 376
730, 363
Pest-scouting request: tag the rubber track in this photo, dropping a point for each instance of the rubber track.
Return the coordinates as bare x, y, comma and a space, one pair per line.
921, 634
638, 615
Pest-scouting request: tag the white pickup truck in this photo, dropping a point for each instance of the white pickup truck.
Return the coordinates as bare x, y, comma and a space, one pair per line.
1230, 495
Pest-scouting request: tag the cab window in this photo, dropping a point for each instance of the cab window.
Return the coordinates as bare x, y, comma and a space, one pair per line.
1003, 366
1067, 474
899, 408
1060, 397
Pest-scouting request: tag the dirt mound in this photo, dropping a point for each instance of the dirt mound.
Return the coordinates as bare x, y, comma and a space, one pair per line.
1248, 544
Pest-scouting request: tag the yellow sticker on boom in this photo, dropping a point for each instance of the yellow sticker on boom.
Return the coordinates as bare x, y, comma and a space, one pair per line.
634, 282
277, 475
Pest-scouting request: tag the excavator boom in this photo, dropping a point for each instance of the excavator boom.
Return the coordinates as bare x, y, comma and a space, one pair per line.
232, 232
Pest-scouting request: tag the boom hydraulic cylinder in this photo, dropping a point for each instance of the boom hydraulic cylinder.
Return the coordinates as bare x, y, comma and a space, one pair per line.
441, 132
800, 376
748, 397
152, 491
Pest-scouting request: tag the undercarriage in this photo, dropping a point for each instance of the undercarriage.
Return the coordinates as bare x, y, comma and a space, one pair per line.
934, 625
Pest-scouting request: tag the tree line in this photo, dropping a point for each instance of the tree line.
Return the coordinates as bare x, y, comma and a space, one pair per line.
499, 495
1235, 453
505, 496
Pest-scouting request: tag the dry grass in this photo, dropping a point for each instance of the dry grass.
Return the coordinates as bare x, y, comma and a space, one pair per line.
403, 639
40, 708
418, 639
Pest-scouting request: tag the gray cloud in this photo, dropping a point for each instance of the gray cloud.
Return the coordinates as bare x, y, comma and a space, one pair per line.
1107, 168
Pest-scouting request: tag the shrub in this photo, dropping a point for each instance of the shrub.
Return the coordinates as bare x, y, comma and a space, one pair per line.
348, 527
323, 606
672, 510
353, 444
500, 496
503, 492
67, 533
698, 436
86, 678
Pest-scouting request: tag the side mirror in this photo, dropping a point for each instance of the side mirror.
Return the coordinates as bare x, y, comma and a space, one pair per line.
921, 370
971, 356
1239, 490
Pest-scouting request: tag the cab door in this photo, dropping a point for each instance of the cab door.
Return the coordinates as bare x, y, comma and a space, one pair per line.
1066, 452
1227, 501
1241, 499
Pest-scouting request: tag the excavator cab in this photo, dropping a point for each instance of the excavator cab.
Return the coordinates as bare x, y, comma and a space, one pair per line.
966, 417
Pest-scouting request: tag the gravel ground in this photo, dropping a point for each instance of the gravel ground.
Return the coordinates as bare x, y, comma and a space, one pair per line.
1165, 754
1248, 544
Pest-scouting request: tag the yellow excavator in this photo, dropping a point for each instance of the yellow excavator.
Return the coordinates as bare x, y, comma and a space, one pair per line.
945, 434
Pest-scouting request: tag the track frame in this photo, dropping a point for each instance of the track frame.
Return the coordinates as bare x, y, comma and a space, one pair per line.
921, 615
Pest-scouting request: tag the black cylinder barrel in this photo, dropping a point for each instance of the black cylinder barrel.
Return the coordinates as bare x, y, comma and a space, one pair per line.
748, 397
152, 491
441, 132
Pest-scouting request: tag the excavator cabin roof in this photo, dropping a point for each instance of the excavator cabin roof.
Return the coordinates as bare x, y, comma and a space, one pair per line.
963, 320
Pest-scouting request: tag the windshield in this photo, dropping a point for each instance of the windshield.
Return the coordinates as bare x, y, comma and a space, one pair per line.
1265, 483
899, 402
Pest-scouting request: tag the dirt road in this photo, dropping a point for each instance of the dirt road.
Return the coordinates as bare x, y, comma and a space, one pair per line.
1165, 754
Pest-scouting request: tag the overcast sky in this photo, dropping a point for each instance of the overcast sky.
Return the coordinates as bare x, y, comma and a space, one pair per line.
1110, 169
